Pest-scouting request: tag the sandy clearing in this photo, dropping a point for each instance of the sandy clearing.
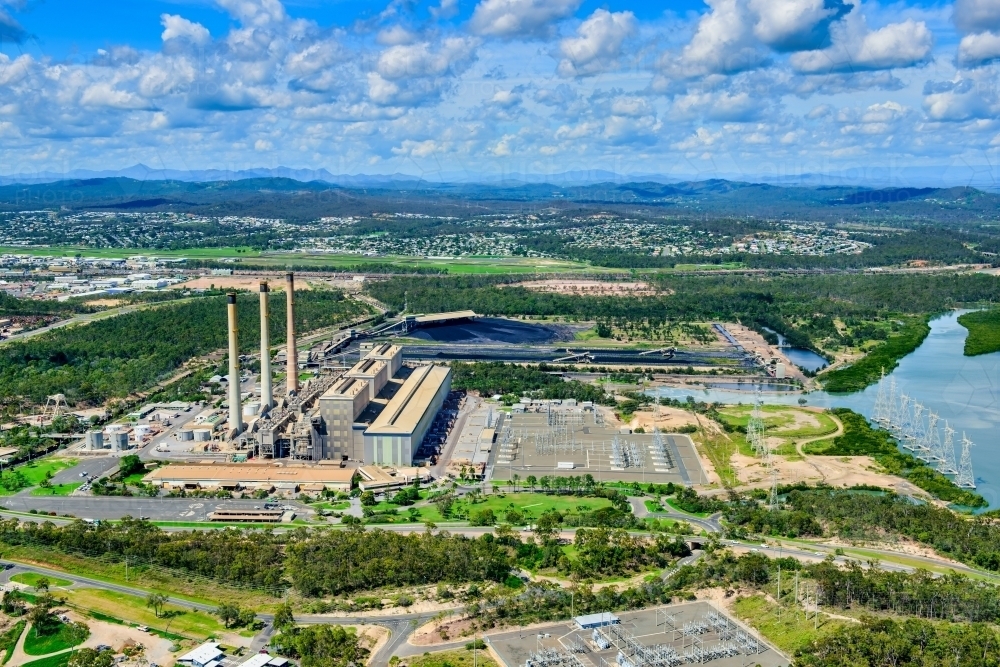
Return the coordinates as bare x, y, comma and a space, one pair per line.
668, 419
372, 637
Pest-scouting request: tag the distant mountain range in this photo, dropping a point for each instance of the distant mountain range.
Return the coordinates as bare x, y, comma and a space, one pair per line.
296, 199
940, 176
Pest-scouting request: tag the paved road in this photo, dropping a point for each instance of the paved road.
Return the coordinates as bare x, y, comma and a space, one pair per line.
471, 403
105, 508
710, 524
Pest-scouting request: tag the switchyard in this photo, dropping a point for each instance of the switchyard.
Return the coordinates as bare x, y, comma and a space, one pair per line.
694, 633
571, 440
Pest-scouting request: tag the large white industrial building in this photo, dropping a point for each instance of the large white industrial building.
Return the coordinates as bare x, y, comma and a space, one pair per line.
395, 435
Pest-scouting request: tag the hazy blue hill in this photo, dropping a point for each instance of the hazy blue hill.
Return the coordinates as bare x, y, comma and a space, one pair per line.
286, 197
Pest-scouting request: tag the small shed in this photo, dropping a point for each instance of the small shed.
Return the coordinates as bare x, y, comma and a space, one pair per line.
591, 621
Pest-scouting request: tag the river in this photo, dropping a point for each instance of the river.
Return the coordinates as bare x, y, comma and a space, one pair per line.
965, 391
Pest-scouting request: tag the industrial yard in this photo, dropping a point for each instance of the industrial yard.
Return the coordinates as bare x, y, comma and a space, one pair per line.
695, 633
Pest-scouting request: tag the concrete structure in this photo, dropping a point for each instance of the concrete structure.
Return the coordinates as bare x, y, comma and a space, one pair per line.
291, 353
95, 440
252, 476
235, 414
339, 408
381, 480
266, 393
387, 352
396, 434
375, 371
591, 621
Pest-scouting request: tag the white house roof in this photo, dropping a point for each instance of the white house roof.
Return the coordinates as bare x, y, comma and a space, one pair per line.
202, 655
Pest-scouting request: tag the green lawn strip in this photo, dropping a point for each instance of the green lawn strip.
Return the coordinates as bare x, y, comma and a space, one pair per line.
107, 618
792, 632
884, 357
719, 449
60, 660
59, 640
115, 574
32, 578
532, 505
57, 489
653, 506
984, 332
8, 641
34, 471
173, 618
453, 658
673, 506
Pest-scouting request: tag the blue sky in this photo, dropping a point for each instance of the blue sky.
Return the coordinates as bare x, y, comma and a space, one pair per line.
485, 87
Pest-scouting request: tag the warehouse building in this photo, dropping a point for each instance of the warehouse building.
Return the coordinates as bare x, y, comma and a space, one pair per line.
395, 435
387, 352
282, 477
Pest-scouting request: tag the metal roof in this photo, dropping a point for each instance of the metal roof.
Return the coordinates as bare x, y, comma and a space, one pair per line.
202, 655
402, 414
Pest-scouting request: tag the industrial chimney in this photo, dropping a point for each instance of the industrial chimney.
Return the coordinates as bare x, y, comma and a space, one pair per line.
293, 351
266, 394
235, 409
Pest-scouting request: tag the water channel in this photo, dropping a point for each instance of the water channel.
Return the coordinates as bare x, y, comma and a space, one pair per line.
965, 391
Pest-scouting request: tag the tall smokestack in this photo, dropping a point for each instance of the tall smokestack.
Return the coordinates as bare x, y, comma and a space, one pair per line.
266, 394
293, 350
235, 409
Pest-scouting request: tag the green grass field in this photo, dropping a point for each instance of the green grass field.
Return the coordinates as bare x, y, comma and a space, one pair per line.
35, 470
789, 633
530, 504
60, 660
31, 579
8, 640
783, 421
463, 265
57, 489
175, 619
456, 658
59, 640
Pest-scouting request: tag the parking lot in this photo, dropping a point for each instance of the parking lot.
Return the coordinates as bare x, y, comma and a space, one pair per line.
104, 508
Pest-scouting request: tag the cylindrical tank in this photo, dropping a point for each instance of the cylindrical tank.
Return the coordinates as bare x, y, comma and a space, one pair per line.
202, 435
250, 409
185, 434
141, 431
94, 440
119, 441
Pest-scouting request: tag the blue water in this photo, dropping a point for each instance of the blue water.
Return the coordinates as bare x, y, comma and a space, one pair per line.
801, 357
965, 391
805, 359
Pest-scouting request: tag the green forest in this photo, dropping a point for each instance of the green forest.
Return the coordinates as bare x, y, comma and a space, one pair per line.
118, 356
984, 331
513, 381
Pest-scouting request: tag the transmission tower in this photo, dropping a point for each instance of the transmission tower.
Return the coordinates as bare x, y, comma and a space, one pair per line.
882, 410
773, 500
755, 428
947, 465
919, 432
965, 479
932, 441
892, 413
905, 424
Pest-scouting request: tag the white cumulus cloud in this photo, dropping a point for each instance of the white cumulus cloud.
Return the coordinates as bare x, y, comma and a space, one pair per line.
856, 48
178, 27
519, 18
597, 45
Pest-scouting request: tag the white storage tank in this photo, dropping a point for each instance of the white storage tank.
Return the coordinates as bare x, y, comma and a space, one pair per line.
185, 434
119, 440
94, 440
251, 409
141, 431
202, 434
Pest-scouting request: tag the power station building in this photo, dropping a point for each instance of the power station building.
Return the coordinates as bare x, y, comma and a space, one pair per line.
372, 416
395, 435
